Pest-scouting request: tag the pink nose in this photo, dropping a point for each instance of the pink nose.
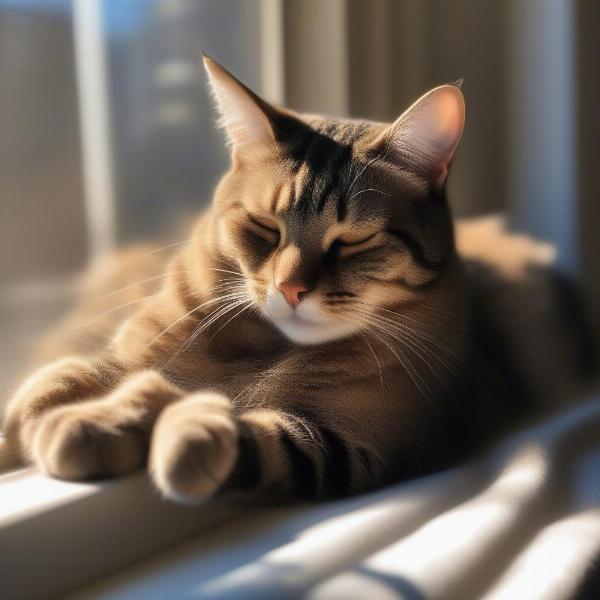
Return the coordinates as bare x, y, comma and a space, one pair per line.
292, 292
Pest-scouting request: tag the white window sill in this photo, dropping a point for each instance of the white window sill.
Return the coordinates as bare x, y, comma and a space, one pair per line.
56, 536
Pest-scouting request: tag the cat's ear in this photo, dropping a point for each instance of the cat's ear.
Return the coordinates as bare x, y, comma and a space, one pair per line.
246, 118
425, 137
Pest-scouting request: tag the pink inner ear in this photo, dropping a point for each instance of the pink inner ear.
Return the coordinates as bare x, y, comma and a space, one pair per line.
449, 118
432, 128
450, 123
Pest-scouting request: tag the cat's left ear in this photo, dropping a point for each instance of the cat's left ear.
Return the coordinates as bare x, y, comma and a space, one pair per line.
425, 137
247, 118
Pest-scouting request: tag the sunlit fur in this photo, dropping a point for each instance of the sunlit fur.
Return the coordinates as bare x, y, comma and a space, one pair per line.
386, 368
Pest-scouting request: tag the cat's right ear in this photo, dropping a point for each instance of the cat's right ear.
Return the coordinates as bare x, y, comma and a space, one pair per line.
247, 118
425, 137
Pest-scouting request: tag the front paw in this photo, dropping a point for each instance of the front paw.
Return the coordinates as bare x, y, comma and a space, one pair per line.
194, 447
90, 440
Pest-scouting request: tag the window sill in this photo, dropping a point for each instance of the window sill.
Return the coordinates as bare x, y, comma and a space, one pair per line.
56, 536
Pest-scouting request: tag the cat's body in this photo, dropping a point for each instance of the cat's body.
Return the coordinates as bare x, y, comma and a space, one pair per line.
318, 333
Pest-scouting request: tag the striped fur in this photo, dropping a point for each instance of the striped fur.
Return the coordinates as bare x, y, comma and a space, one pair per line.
205, 385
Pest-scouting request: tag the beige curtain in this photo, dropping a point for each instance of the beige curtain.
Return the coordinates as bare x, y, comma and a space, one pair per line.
371, 59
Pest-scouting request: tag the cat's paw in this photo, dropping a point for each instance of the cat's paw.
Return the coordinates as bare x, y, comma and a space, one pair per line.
105, 437
88, 440
59, 383
194, 447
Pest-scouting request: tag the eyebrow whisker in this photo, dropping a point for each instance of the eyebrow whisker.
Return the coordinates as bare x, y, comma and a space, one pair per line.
368, 190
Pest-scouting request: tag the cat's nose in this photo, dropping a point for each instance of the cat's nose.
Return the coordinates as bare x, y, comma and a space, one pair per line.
292, 291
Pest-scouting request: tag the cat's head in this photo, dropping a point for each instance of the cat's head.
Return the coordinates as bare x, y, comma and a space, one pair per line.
327, 218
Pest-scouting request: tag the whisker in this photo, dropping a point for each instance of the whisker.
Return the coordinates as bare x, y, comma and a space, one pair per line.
423, 339
446, 348
115, 309
246, 307
369, 163
376, 360
413, 335
407, 366
187, 343
213, 316
425, 309
132, 285
403, 327
420, 342
179, 319
227, 271
173, 245
368, 190
420, 350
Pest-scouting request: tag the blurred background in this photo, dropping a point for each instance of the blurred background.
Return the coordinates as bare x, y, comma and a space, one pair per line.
108, 137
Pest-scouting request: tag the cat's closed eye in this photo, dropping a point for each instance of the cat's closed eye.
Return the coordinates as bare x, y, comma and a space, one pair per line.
354, 244
264, 228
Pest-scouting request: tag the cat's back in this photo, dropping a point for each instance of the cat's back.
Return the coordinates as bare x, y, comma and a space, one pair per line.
528, 317
106, 294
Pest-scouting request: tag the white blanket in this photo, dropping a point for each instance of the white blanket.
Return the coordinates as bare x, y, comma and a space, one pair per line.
523, 522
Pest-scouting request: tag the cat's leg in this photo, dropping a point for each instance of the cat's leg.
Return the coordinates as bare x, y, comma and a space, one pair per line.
68, 380
200, 446
72, 422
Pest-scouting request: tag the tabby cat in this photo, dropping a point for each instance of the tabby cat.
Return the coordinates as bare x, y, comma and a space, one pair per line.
319, 333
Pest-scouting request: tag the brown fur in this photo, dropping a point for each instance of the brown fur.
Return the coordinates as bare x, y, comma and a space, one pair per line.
223, 400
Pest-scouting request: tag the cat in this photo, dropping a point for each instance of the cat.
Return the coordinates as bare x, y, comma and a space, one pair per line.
326, 329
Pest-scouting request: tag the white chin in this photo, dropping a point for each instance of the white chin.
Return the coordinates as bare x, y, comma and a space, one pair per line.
308, 324
304, 332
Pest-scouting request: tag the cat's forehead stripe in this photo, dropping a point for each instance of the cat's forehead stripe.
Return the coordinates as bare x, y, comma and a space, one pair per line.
322, 165
275, 196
